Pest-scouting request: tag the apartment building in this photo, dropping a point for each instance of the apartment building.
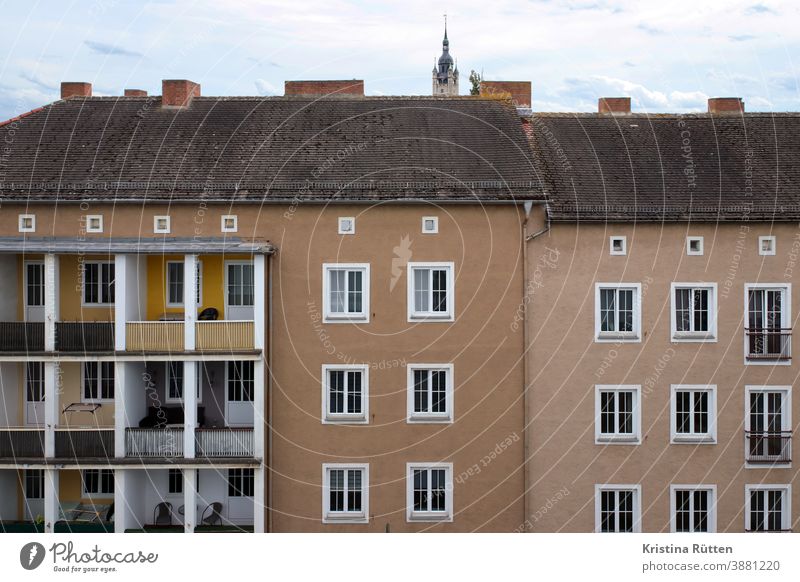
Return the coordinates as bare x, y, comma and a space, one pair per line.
662, 360
294, 313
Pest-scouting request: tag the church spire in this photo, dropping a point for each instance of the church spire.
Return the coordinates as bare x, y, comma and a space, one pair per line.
445, 73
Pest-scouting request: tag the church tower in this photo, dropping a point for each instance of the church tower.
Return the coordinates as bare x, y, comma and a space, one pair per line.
445, 73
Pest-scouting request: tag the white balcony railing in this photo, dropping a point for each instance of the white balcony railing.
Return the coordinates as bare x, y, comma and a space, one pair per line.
154, 442
224, 442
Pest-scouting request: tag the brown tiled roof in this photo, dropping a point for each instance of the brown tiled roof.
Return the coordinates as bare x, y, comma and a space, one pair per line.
669, 167
277, 148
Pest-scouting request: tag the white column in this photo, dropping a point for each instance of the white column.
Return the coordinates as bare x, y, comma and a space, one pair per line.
120, 413
121, 506
51, 407
189, 407
189, 500
120, 300
51, 301
189, 300
259, 387
50, 500
260, 302
259, 499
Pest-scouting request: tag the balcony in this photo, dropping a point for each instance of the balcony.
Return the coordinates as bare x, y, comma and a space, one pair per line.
20, 443
154, 336
769, 344
769, 447
85, 443
225, 335
154, 442
224, 442
21, 336
89, 336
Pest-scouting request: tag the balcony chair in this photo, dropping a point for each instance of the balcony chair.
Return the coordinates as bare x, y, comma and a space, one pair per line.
162, 514
110, 512
208, 314
212, 515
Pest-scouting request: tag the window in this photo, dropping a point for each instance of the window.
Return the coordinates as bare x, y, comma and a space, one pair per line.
175, 283
345, 493
161, 224
230, 223
429, 492
768, 425
767, 507
694, 245
431, 291
618, 245
345, 292
345, 393
27, 223
98, 481
175, 484
98, 283
617, 311
175, 375
430, 224
34, 483
98, 381
766, 245
240, 284
94, 223
241, 381
617, 414
347, 225
617, 508
430, 392
693, 413
241, 482
768, 330
694, 311
693, 508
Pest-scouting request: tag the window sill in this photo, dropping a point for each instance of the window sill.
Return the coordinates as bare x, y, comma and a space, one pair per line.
432, 419
606, 336
345, 419
429, 517
686, 336
429, 317
360, 318
617, 440
693, 440
343, 518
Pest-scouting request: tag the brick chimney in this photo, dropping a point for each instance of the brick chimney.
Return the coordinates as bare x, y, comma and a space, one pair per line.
75, 89
518, 91
135, 93
321, 88
614, 105
720, 105
178, 92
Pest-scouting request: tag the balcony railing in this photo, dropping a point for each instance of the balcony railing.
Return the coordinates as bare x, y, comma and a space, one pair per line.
224, 442
83, 443
21, 336
769, 343
85, 336
154, 336
224, 335
154, 442
18, 443
769, 447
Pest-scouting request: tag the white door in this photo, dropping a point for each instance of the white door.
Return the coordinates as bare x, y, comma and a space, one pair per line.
239, 384
34, 494
241, 485
239, 290
34, 393
34, 291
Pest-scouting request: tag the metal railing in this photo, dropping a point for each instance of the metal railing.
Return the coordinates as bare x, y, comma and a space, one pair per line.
225, 335
154, 336
21, 443
224, 442
154, 442
21, 336
82, 443
769, 447
769, 343
85, 336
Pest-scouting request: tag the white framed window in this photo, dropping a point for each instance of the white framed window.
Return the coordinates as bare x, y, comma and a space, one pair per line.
175, 376
618, 508
693, 414
431, 291
98, 481
347, 225
429, 492
175, 280
345, 292
618, 245
766, 245
27, 223
430, 224
694, 245
98, 283
175, 482
768, 334
617, 414
693, 508
693, 312
430, 392
618, 312
34, 484
97, 380
94, 223
229, 223
345, 393
241, 482
767, 507
161, 224
345, 493
768, 426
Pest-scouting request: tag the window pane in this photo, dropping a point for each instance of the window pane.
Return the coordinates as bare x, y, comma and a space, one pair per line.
625, 510
90, 380
420, 490
107, 380
438, 490
336, 391
355, 291
175, 282
438, 391
625, 417
701, 310
420, 391
682, 311
354, 490
625, 297
682, 411
337, 291
91, 280
701, 511
682, 511
354, 392
439, 290
422, 287
607, 412
608, 299
700, 412
607, 511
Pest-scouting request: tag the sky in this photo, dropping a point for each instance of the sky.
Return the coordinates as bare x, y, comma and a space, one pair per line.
668, 55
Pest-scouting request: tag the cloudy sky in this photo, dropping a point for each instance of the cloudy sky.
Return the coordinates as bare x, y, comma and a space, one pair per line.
669, 55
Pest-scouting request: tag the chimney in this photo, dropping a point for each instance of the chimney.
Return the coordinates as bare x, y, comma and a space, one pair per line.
721, 105
324, 88
518, 91
178, 92
75, 89
135, 93
614, 105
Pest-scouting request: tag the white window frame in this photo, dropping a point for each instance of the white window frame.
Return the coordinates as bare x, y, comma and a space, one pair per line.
23, 218
162, 230
430, 417
198, 275
637, 505
773, 246
634, 336
328, 315
786, 321
709, 438
229, 228
786, 509
786, 420
712, 506
329, 516
701, 244
431, 316
434, 229
342, 223
94, 217
99, 493
623, 240
84, 303
99, 380
345, 418
168, 376
694, 336
429, 516
635, 438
